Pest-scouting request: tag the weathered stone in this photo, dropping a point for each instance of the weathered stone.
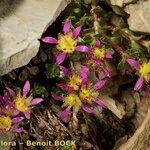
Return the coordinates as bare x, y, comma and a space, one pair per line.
139, 19
121, 3
140, 139
112, 105
138, 11
21, 27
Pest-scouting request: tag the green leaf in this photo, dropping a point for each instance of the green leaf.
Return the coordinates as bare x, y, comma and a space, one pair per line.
121, 23
38, 90
116, 39
121, 64
135, 46
58, 91
87, 2
52, 71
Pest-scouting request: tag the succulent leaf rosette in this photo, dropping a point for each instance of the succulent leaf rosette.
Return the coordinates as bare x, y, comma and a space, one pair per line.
67, 43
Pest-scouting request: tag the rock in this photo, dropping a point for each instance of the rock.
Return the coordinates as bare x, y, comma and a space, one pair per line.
43, 56
141, 111
129, 100
137, 10
140, 139
20, 28
116, 108
121, 3
139, 19
24, 75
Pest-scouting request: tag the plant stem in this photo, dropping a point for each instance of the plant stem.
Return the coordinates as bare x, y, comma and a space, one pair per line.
98, 30
95, 17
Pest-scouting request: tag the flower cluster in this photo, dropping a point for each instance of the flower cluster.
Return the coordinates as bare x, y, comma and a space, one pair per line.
81, 93
96, 59
16, 107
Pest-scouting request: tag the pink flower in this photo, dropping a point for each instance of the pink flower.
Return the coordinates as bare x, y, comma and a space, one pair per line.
143, 71
99, 53
8, 118
22, 102
66, 42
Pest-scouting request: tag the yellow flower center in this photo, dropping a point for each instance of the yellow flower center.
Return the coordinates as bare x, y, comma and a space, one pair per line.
99, 52
23, 104
87, 93
145, 70
5, 122
74, 82
66, 43
72, 100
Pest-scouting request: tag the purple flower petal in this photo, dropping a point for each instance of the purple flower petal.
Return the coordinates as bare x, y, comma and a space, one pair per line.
60, 58
56, 97
100, 84
26, 88
27, 115
17, 119
100, 102
98, 62
11, 92
82, 48
64, 113
84, 80
49, 40
133, 63
15, 112
64, 70
87, 109
6, 101
1, 112
106, 73
61, 85
84, 77
69, 89
108, 55
18, 130
36, 101
139, 84
98, 43
83, 74
76, 32
85, 69
67, 26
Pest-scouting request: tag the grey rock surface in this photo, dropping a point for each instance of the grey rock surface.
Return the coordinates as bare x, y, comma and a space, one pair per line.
22, 23
121, 3
138, 11
139, 19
